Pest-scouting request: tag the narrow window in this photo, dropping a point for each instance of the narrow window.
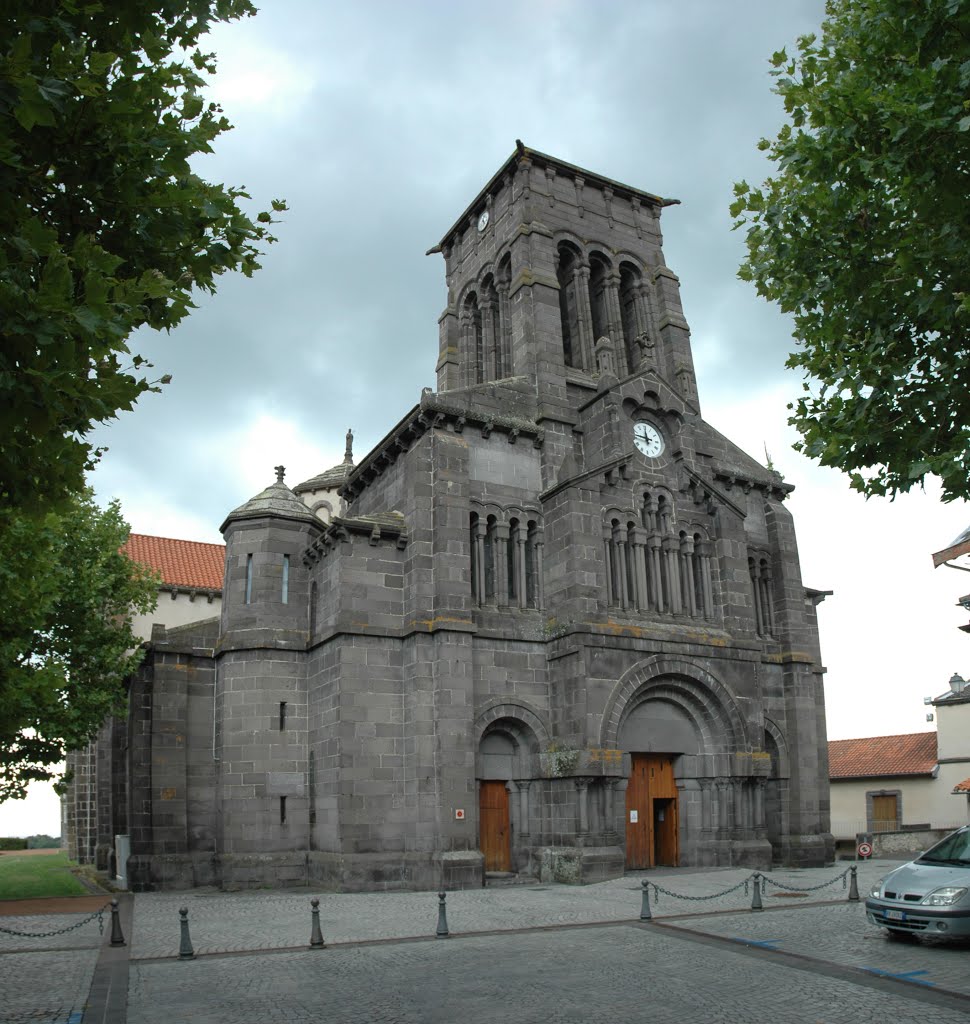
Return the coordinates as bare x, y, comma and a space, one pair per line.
249, 579
282, 810
282, 715
286, 578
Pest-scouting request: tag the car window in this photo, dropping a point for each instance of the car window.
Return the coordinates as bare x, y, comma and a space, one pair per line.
954, 849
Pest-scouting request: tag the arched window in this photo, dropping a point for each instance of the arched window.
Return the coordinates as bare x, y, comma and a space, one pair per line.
470, 320
570, 305
503, 358
629, 283
599, 311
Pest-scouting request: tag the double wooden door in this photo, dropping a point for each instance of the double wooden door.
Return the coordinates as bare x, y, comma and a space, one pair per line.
493, 821
651, 812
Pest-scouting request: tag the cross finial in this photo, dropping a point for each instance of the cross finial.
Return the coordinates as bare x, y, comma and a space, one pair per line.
280, 471
349, 450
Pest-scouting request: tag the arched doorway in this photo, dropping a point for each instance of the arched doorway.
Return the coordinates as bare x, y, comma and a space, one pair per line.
657, 734
504, 766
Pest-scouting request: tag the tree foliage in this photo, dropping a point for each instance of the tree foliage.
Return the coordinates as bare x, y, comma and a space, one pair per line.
67, 592
863, 235
104, 225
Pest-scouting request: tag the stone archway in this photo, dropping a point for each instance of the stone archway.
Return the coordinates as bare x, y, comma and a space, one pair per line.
505, 764
689, 758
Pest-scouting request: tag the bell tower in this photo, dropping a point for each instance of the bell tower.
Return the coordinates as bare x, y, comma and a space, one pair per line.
547, 261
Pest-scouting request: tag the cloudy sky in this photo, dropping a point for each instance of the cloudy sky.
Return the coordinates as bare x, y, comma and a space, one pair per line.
378, 121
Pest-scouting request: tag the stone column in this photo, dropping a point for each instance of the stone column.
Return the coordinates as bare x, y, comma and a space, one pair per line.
671, 548
687, 557
760, 785
489, 339
540, 602
619, 806
725, 807
737, 788
619, 550
767, 585
756, 597
638, 538
501, 556
520, 542
582, 794
614, 320
706, 579
656, 588
612, 576
481, 530
707, 819
504, 334
524, 817
585, 315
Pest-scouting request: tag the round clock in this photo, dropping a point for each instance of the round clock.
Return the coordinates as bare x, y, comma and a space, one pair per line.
483, 221
648, 440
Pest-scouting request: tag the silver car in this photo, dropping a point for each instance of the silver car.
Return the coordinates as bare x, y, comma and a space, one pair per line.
929, 895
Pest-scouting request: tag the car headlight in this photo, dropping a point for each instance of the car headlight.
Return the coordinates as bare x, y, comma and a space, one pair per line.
876, 890
944, 897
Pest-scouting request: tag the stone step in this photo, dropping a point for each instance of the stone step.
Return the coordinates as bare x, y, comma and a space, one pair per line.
494, 879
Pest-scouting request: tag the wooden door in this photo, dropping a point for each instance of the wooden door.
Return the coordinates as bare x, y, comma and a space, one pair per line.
651, 812
493, 818
885, 813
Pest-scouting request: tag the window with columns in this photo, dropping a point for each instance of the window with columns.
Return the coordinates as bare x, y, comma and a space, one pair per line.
597, 300
485, 328
653, 568
759, 569
506, 561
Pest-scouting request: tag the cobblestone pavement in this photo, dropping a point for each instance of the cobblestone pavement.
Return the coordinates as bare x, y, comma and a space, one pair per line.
840, 934
681, 967
588, 975
232, 922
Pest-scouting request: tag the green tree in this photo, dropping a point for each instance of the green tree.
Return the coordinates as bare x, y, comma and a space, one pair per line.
67, 594
104, 226
863, 235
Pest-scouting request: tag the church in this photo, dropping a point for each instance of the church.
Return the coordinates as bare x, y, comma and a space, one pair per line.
552, 625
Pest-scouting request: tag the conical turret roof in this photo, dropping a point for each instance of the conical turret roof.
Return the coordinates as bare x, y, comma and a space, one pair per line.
276, 501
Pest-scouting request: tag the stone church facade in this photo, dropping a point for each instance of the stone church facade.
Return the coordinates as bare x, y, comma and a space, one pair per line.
552, 624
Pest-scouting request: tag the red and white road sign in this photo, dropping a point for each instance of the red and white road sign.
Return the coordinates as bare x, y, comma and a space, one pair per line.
865, 849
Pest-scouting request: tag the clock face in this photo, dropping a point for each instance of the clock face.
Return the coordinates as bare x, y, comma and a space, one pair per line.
648, 439
483, 221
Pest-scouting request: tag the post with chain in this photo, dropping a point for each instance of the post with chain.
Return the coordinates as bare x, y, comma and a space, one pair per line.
442, 930
316, 936
756, 894
645, 914
117, 938
853, 886
186, 952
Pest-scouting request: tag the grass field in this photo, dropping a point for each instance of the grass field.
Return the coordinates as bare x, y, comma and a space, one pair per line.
28, 875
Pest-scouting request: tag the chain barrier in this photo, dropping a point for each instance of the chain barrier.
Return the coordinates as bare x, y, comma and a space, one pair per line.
743, 884
811, 888
99, 914
759, 879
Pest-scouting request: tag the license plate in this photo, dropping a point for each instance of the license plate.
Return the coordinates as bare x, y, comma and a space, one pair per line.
896, 915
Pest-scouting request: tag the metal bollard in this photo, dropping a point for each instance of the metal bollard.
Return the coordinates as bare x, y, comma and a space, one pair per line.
756, 895
117, 938
853, 886
645, 914
186, 952
316, 936
442, 930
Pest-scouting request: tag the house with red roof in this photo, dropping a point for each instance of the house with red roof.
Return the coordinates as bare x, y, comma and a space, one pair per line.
906, 782
191, 579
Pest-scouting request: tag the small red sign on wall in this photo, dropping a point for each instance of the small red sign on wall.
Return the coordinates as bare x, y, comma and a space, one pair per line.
459, 814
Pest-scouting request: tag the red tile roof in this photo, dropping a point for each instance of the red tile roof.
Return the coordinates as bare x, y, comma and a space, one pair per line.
909, 754
962, 787
181, 563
